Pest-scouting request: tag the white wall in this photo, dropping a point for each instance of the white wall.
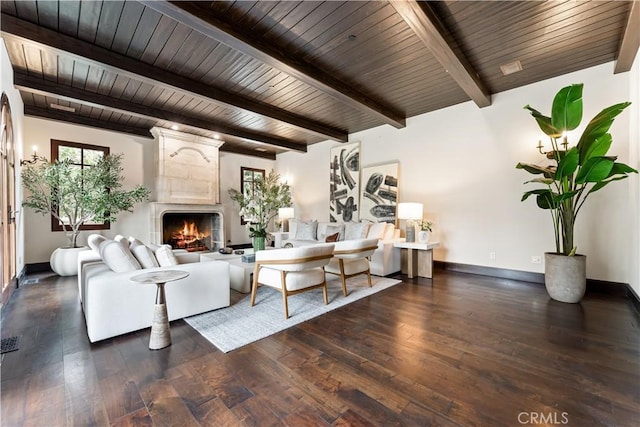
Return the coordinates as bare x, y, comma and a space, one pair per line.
460, 163
230, 165
17, 115
137, 162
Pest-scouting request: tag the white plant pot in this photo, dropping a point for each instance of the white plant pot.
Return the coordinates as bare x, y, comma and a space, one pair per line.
423, 236
64, 261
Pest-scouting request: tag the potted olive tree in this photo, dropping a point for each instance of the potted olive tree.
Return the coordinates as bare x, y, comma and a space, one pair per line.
74, 196
571, 176
259, 207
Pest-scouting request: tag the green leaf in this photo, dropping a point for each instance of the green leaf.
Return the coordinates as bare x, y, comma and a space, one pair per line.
544, 122
598, 148
558, 198
568, 164
546, 200
621, 168
536, 169
601, 184
566, 110
597, 127
546, 181
526, 195
595, 169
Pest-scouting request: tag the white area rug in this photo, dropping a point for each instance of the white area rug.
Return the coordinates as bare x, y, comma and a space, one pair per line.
240, 324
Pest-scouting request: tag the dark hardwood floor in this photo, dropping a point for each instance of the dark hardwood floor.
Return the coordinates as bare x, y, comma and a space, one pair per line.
458, 350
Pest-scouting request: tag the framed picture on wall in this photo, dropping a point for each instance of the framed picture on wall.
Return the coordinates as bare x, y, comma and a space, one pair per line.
344, 182
379, 194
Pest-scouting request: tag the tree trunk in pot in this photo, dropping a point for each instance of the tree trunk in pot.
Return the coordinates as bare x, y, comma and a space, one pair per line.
565, 277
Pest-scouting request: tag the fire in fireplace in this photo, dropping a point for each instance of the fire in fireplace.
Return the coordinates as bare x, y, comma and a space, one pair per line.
192, 231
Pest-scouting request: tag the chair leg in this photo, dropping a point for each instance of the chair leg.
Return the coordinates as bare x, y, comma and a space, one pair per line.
342, 277
254, 287
283, 275
369, 277
324, 293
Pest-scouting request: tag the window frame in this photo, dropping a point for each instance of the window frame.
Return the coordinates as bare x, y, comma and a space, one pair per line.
254, 172
55, 149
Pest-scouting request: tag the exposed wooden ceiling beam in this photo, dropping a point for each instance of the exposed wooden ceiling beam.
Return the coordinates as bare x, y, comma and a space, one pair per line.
423, 20
48, 88
195, 16
630, 41
45, 113
140, 71
247, 152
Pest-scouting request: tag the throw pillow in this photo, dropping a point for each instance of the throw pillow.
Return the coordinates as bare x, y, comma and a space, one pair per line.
306, 230
165, 256
329, 230
332, 238
118, 257
355, 230
143, 254
94, 241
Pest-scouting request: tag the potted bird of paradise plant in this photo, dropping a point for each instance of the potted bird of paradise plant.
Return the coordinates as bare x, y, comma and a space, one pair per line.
572, 174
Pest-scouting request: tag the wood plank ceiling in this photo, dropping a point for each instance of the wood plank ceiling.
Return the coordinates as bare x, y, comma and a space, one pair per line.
269, 76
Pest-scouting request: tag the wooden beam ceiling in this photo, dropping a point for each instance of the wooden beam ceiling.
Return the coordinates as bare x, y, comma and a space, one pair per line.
28, 32
48, 88
45, 113
247, 152
630, 41
423, 20
195, 16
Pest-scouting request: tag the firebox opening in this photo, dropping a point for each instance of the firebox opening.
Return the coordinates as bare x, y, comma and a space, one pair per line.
192, 231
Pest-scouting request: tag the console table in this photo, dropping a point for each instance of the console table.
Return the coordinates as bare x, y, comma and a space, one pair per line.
419, 258
160, 332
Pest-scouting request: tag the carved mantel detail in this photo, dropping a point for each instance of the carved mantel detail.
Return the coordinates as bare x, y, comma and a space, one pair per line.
187, 168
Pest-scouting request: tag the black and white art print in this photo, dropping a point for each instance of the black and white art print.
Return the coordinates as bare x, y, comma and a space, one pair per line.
379, 194
344, 182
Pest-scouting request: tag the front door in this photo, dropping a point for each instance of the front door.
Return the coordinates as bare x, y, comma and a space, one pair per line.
7, 197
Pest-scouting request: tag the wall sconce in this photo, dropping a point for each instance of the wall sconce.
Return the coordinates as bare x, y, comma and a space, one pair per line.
410, 212
552, 154
34, 158
284, 214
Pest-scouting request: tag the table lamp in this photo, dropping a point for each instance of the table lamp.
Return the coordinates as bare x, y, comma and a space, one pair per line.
284, 214
410, 212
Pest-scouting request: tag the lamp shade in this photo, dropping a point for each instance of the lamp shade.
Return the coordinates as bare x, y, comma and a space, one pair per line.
410, 210
285, 213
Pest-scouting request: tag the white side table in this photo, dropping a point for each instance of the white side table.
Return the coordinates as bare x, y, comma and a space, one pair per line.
278, 237
419, 258
160, 332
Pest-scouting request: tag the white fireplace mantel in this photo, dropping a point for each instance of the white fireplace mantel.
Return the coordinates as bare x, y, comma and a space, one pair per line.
187, 168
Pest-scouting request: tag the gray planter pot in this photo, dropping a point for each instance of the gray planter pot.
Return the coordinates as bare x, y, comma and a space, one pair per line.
565, 277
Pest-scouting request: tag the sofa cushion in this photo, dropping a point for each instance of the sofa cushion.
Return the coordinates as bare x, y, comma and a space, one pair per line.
306, 230
143, 254
377, 230
94, 241
355, 230
118, 257
165, 256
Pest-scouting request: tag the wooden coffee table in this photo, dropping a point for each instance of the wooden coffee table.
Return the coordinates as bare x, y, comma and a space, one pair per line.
160, 332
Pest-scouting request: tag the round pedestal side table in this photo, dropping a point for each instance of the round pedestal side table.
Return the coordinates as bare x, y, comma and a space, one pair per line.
160, 333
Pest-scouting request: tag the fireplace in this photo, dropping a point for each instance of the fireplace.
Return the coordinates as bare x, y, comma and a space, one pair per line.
193, 232
194, 228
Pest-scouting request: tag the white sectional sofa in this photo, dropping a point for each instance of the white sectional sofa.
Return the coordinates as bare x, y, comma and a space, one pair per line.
114, 305
384, 261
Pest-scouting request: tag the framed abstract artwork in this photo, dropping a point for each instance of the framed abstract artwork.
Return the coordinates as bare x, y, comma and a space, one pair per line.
344, 182
379, 194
